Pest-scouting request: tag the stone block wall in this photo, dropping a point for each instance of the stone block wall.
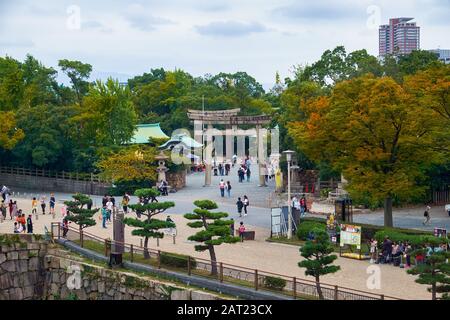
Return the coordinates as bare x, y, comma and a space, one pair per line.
35, 270
21, 272
177, 179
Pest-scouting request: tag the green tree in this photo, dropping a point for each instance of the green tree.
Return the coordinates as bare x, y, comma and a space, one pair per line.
9, 133
318, 258
78, 214
435, 271
107, 116
215, 230
150, 226
78, 72
11, 84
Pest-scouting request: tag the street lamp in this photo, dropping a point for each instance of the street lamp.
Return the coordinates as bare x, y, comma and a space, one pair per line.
289, 154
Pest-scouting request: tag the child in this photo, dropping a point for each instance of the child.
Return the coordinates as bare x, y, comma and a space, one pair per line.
241, 231
34, 204
29, 224
240, 205
16, 228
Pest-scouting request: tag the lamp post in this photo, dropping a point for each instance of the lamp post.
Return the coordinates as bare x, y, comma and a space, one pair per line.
289, 154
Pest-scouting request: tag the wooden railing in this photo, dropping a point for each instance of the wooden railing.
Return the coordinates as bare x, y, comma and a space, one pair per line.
52, 174
229, 273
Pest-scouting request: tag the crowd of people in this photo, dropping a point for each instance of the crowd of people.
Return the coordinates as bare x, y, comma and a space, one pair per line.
398, 253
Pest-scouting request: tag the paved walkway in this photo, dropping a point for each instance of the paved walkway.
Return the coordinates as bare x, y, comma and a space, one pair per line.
259, 254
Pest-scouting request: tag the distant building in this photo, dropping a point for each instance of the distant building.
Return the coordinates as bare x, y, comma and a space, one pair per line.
442, 54
399, 37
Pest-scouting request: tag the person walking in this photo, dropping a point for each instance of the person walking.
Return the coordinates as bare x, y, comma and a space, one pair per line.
248, 172
34, 204
104, 200
373, 250
246, 204
239, 205
65, 227
14, 210
427, 216
43, 205
227, 168
52, 204
3, 209
30, 224
222, 188
241, 231
228, 187
104, 216
11, 208
241, 174
407, 254
109, 209
125, 201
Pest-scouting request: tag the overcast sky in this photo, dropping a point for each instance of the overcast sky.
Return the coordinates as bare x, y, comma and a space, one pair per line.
126, 38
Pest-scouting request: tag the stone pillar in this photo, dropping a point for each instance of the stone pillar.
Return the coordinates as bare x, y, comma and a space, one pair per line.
229, 144
261, 155
117, 248
207, 156
198, 136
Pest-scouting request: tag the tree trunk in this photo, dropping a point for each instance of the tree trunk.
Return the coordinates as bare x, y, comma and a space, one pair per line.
212, 254
433, 291
146, 253
319, 289
388, 221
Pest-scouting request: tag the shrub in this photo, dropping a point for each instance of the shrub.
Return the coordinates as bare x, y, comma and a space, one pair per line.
305, 227
176, 260
274, 283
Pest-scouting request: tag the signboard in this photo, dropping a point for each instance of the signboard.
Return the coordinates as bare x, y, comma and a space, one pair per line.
350, 235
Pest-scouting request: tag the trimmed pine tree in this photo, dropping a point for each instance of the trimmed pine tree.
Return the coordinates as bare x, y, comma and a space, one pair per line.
318, 258
435, 271
215, 230
149, 226
78, 214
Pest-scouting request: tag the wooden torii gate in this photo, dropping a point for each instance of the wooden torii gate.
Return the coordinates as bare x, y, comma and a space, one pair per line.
231, 120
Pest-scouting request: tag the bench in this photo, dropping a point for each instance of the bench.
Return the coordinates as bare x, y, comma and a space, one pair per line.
248, 235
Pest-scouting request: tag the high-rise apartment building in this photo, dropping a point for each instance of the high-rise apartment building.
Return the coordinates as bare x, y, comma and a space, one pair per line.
399, 37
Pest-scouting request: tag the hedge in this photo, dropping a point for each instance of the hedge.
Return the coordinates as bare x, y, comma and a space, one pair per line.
305, 227
176, 260
397, 236
369, 230
274, 283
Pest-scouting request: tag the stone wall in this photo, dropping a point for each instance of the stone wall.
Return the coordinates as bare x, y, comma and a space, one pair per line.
35, 270
54, 184
21, 271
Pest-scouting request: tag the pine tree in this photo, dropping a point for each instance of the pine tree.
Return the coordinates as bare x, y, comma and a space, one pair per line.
78, 214
149, 227
318, 258
215, 230
435, 271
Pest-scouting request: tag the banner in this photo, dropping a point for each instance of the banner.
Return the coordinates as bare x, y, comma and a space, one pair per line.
350, 235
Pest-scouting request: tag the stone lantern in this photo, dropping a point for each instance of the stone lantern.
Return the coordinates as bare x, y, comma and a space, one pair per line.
161, 169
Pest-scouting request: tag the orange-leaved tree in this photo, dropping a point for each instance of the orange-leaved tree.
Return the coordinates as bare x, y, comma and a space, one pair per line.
375, 133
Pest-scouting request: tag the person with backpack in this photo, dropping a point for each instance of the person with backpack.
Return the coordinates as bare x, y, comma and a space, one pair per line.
104, 216
246, 204
240, 205
241, 231
52, 203
228, 187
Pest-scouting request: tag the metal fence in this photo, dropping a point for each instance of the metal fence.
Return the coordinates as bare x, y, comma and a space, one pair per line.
238, 275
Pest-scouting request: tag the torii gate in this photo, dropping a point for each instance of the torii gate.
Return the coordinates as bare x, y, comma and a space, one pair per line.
231, 120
